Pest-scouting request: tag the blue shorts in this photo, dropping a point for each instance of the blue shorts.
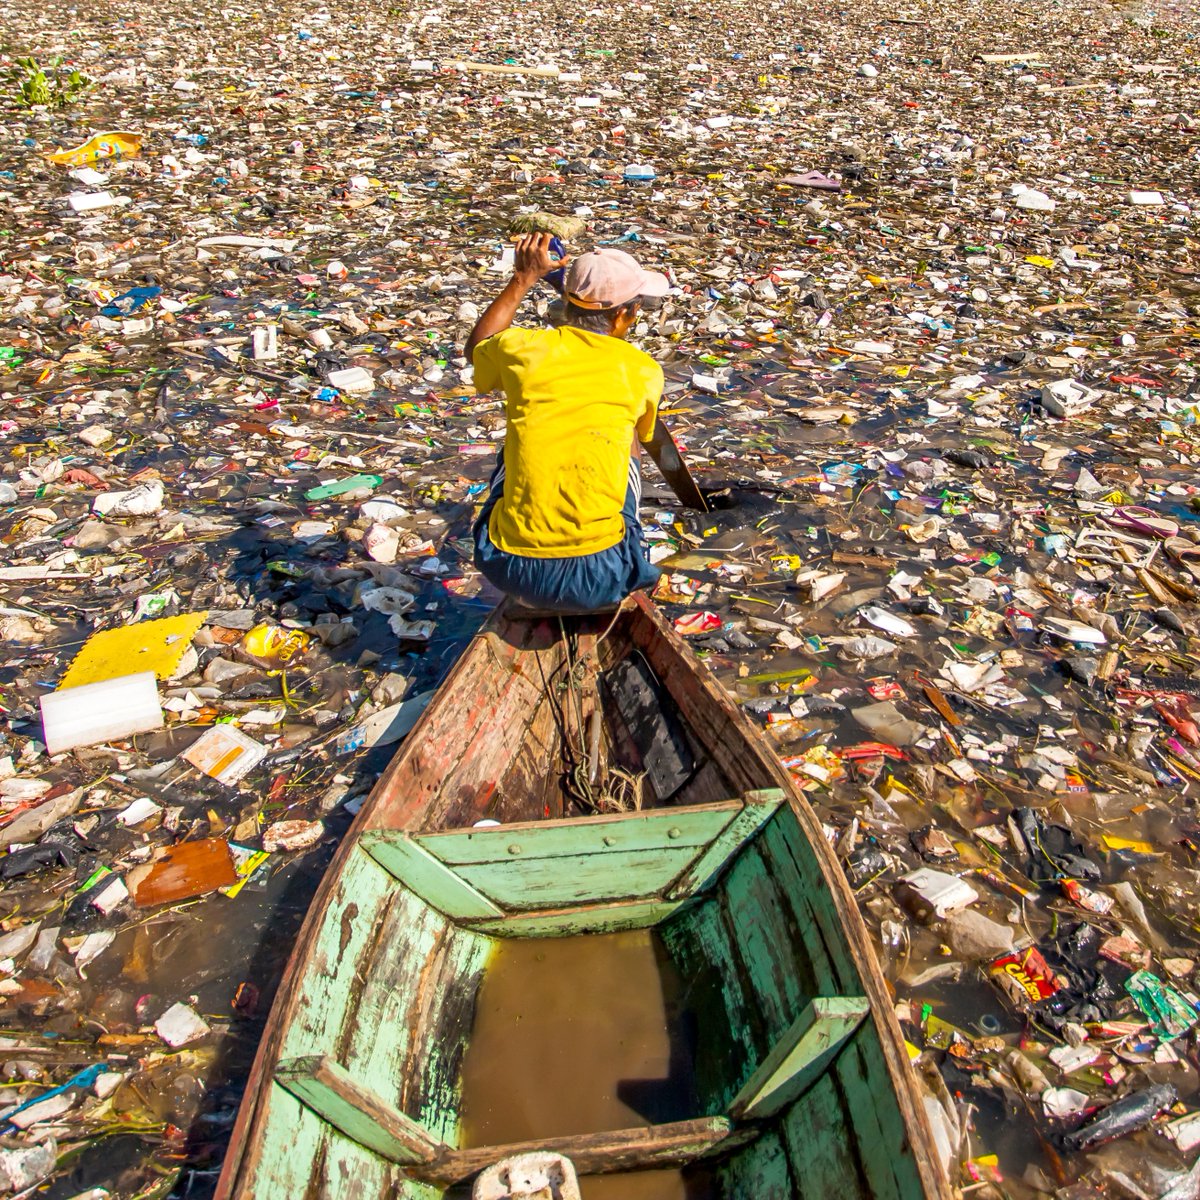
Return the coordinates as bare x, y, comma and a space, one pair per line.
579, 583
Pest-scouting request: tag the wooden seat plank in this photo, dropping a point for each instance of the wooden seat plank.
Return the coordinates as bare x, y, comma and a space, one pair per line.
362, 1115
673, 1144
799, 1056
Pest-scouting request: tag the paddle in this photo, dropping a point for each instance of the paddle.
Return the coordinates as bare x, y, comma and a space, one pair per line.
666, 456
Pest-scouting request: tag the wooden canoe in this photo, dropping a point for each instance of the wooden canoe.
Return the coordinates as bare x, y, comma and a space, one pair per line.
804, 1085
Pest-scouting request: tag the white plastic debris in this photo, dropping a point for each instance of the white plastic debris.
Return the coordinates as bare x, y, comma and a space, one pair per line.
265, 340
88, 948
381, 543
1063, 1102
140, 501
94, 201
352, 379
1068, 398
44, 1110
888, 622
292, 835
21, 1167
389, 724
1032, 200
180, 1025
100, 712
14, 943
111, 896
942, 892
142, 809
542, 1175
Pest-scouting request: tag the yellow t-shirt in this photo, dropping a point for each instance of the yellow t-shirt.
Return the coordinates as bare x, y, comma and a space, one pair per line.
574, 400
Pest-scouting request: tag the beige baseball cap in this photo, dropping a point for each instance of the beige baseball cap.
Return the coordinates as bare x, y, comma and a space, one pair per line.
609, 278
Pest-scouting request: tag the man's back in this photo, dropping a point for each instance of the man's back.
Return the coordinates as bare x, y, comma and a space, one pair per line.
574, 400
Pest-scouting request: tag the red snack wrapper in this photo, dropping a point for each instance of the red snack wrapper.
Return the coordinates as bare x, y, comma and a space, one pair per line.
1024, 977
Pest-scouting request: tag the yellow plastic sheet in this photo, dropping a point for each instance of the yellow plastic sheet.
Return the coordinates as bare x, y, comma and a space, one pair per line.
113, 144
154, 646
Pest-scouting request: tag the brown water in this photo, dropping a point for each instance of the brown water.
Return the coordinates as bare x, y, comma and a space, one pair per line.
581, 1035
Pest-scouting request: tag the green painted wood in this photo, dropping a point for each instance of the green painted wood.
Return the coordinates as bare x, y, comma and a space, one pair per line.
345, 943
759, 808
306, 1156
404, 859
310, 1157
593, 918
820, 1140
652, 829
802, 887
778, 976
762, 1171
443, 1024
294, 1142
886, 1158
703, 952
799, 1056
522, 884
363, 1116
415, 1011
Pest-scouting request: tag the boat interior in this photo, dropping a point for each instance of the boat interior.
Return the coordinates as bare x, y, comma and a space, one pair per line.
477, 841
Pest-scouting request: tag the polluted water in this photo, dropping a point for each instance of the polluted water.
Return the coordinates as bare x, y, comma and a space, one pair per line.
582, 1035
930, 349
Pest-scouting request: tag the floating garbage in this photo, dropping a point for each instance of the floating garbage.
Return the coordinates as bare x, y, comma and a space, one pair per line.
929, 349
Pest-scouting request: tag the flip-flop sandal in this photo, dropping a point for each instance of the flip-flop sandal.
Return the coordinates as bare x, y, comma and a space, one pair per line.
814, 179
1143, 521
1185, 554
1104, 545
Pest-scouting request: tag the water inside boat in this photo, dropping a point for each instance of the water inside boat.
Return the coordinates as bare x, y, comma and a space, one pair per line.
582, 1035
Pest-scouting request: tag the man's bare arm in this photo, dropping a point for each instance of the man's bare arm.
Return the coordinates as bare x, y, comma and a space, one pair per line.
532, 262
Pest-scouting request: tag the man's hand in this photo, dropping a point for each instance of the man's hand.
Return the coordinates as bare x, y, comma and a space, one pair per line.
533, 260
531, 263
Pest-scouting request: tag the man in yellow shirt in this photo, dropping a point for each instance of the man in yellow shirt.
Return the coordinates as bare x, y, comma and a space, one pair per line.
559, 529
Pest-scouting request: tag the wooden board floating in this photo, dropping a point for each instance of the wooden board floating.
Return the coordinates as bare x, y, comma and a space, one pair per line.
802, 1083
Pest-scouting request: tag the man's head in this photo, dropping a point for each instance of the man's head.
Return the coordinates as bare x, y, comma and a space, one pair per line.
604, 289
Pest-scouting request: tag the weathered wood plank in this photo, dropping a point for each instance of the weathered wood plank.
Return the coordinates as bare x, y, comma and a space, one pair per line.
799, 1056
763, 1171
778, 974
364, 1117
701, 948
523, 884
887, 1159
441, 1020
581, 918
405, 859
820, 1139
418, 960
650, 829
802, 889
672, 1144
328, 991
759, 807
652, 721
294, 1144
